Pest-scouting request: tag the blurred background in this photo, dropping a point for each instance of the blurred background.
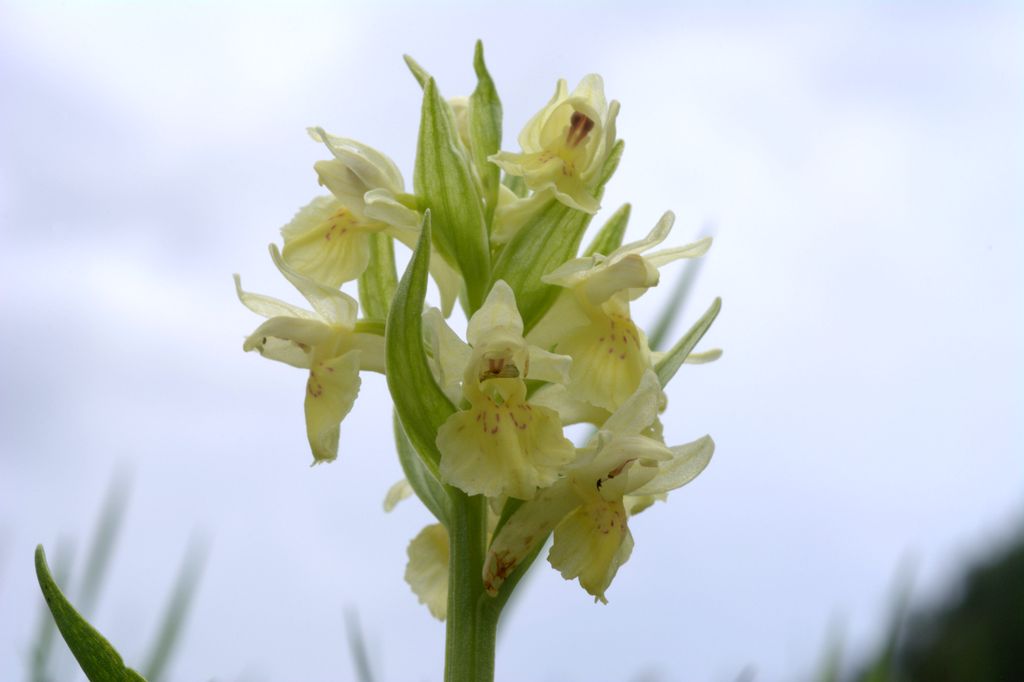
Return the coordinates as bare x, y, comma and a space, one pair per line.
860, 165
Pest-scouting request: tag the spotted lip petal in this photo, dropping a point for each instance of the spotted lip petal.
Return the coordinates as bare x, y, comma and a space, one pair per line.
331, 390
501, 445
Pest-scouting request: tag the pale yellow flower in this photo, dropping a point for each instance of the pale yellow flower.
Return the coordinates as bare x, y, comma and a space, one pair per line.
328, 239
500, 444
325, 342
592, 324
565, 144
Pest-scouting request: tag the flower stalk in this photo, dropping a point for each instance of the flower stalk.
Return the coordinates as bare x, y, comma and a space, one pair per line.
472, 623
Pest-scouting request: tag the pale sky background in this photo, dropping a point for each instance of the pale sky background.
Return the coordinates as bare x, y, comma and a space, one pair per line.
861, 166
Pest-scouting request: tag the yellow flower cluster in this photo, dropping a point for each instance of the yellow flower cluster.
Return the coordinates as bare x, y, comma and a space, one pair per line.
531, 363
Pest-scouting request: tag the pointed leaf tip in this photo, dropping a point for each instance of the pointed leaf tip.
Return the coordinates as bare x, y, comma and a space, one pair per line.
98, 659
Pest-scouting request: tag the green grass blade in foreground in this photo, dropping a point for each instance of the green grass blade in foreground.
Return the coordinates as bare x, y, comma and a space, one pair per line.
674, 359
98, 659
422, 479
609, 237
420, 402
178, 604
485, 131
42, 647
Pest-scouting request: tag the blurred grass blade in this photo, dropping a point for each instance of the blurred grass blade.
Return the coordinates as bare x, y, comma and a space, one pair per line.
609, 237
884, 667
178, 605
667, 367
674, 305
377, 283
108, 527
831, 663
419, 401
422, 479
97, 658
357, 647
42, 647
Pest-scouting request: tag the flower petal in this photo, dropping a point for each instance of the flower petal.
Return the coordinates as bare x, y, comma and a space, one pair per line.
590, 544
550, 367
373, 168
448, 354
530, 137
330, 392
528, 525
382, 206
656, 236
686, 464
609, 357
693, 250
334, 307
396, 493
327, 242
507, 449
630, 272
640, 410
288, 339
571, 410
427, 569
268, 306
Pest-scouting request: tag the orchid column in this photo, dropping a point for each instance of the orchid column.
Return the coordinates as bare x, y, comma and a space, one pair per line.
480, 416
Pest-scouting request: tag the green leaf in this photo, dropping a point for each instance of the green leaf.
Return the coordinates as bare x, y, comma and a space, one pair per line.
667, 367
42, 647
445, 184
485, 130
98, 660
178, 605
610, 236
421, 404
551, 237
423, 478
377, 283
418, 72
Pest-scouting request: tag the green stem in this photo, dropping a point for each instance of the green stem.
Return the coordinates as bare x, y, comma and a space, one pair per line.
472, 621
